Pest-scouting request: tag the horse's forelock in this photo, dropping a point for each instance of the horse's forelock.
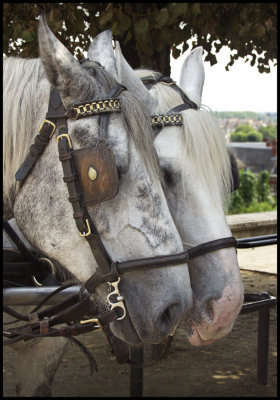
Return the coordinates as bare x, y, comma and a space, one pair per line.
202, 137
205, 141
26, 88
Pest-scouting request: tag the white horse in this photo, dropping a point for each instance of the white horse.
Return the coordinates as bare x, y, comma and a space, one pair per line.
198, 181
136, 223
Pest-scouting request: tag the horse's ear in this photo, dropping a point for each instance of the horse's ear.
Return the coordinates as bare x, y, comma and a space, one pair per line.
128, 77
192, 75
62, 69
101, 50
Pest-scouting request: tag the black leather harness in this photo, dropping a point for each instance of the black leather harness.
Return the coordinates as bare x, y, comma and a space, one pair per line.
80, 312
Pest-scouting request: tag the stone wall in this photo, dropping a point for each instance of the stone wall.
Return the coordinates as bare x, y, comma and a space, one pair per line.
253, 224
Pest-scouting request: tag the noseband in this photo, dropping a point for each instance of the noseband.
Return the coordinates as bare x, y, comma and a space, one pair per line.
85, 171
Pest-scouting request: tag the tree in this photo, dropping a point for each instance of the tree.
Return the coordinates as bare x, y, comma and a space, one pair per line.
263, 187
148, 32
245, 133
268, 132
247, 188
245, 128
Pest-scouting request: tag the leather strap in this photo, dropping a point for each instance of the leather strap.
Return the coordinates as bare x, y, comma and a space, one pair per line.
82, 219
179, 108
214, 245
36, 149
149, 81
56, 110
180, 258
104, 117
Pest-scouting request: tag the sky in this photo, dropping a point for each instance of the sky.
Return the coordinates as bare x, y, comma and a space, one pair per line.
242, 88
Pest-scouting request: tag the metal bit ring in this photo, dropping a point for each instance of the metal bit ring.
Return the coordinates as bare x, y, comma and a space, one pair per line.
120, 298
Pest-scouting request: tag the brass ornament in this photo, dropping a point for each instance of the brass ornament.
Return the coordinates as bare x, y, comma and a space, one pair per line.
92, 173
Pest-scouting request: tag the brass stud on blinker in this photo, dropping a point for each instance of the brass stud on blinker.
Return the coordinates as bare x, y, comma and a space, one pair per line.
92, 173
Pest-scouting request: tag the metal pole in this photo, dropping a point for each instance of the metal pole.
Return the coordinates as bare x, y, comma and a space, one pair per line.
263, 341
29, 296
136, 371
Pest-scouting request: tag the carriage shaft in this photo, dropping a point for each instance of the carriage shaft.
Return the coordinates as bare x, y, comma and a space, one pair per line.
29, 296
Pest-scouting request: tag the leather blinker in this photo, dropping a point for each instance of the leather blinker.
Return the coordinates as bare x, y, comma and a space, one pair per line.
97, 172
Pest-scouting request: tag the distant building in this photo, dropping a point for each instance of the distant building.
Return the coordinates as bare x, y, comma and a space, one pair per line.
230, 124
255, 155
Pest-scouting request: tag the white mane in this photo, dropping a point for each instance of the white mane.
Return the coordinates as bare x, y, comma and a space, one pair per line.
26, 94
204, 141
22, 78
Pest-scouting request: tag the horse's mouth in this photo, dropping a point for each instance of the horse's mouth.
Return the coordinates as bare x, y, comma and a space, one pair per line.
125, 331
196, 340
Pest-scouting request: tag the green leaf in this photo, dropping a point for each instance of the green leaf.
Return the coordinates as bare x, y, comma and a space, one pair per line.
178, 9
27, 35
141, 27
196, 10
211, 58
166, 35
185, 47
116, 28
128, 38
176, 52
162, 17
269, 24
125, 22
259, 31
106, 17
218, 47
245, 29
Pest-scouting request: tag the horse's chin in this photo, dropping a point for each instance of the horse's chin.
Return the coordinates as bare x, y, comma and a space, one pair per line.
195, 338
125, 331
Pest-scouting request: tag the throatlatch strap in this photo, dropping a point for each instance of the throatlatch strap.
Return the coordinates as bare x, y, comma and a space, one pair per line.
55, 111
36, 149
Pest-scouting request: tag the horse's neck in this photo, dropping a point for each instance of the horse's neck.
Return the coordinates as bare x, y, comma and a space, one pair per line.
26, 93
8, 243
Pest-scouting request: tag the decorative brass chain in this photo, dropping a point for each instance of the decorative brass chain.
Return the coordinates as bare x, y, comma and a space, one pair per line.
166, 120
96, 107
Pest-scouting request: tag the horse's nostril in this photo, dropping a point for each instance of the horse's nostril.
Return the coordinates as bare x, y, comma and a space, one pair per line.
168, 316
165, 315
209, 308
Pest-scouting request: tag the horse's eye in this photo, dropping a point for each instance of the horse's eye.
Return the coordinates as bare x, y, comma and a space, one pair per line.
120, 173
168, 177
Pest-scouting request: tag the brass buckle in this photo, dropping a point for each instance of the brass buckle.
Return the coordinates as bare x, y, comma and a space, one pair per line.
67, 137
50, 123
88, 232
95, 320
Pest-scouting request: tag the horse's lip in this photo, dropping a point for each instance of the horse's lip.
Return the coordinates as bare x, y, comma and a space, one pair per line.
198, 336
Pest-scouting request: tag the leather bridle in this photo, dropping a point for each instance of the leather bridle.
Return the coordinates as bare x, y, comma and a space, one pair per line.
80, 313
172, 118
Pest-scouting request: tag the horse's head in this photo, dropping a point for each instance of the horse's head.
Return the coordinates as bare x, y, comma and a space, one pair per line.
198, 179
136, 223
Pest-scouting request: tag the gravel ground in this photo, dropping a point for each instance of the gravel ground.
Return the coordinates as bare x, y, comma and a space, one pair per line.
226, 368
